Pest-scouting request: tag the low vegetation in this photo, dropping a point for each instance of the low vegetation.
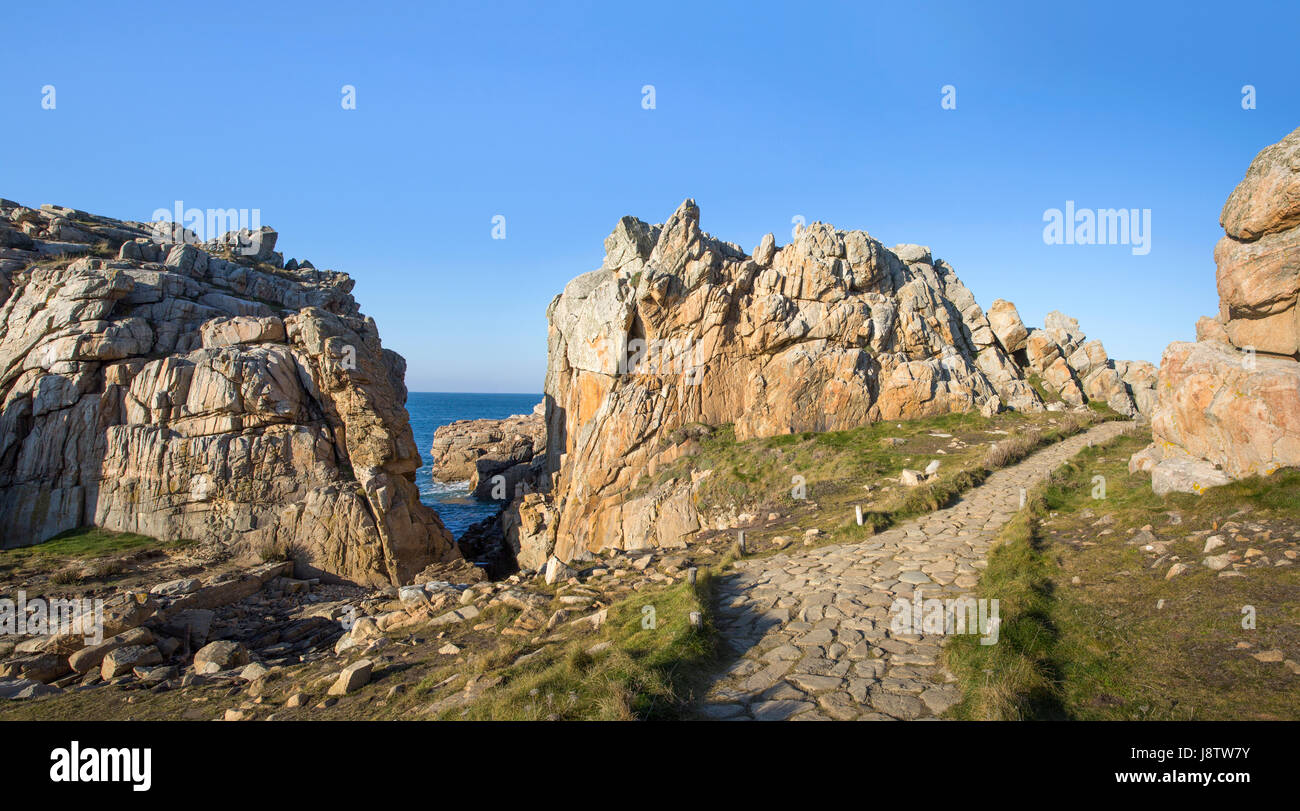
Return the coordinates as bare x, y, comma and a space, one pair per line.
646, 660
646, 663
1095, 627
843, 470
79, 557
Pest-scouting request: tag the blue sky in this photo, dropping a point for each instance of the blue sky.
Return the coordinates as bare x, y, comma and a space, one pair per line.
764, 112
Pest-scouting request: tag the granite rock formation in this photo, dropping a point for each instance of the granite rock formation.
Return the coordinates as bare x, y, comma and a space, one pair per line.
831, 331
1229, 404
480, 450
198, 391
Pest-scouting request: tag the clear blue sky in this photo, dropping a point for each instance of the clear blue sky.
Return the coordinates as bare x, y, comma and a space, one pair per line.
763, 111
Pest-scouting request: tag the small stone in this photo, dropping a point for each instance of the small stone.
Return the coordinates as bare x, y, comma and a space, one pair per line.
353, 678
1217, 562
220, 655
175, 588
253, 672
721, 710
124, 660
556, 571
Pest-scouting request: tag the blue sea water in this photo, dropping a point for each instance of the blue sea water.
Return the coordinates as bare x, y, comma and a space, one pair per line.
431, 409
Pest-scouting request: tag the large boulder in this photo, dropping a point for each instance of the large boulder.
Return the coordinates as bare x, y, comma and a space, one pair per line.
222, 655
1267, 200
1006, 324
1258, 258
179, 393
1239, 413
1228, 406
1258, 286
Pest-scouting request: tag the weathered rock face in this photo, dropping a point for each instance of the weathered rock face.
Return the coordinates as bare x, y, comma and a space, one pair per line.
183, 394
677, 327
1007, 326
1258, 259
1229, 404
478, 451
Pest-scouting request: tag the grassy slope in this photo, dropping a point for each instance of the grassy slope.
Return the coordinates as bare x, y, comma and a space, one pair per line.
643, 673
82, 557
1100, 647
756, 474
649, 670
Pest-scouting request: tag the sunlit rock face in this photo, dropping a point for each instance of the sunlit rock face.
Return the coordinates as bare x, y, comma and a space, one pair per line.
193, 391
829, 332
1229, 404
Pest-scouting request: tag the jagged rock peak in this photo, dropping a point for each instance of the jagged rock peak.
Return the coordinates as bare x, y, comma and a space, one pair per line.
828, 332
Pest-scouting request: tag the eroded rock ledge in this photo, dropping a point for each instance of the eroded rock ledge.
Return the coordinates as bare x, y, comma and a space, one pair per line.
181, 391
829, 332
1229, 404
477, 451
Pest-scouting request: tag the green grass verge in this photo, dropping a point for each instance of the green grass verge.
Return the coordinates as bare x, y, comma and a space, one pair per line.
651, 664
87, 542
1092, 629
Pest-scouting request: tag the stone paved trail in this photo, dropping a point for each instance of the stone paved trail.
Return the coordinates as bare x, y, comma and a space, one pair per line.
811, 628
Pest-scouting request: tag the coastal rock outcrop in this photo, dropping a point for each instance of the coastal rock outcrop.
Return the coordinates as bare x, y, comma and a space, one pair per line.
478, 451
1229, 404
831, 331
181, 391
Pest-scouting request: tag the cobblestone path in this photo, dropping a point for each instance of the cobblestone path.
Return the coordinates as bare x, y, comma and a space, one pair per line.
811, 628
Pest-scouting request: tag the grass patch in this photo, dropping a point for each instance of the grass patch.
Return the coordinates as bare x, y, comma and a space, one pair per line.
944, 489
1018, 677
1036, 383
1093, 629
644, 673
87, 542
81, 556
761, 472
